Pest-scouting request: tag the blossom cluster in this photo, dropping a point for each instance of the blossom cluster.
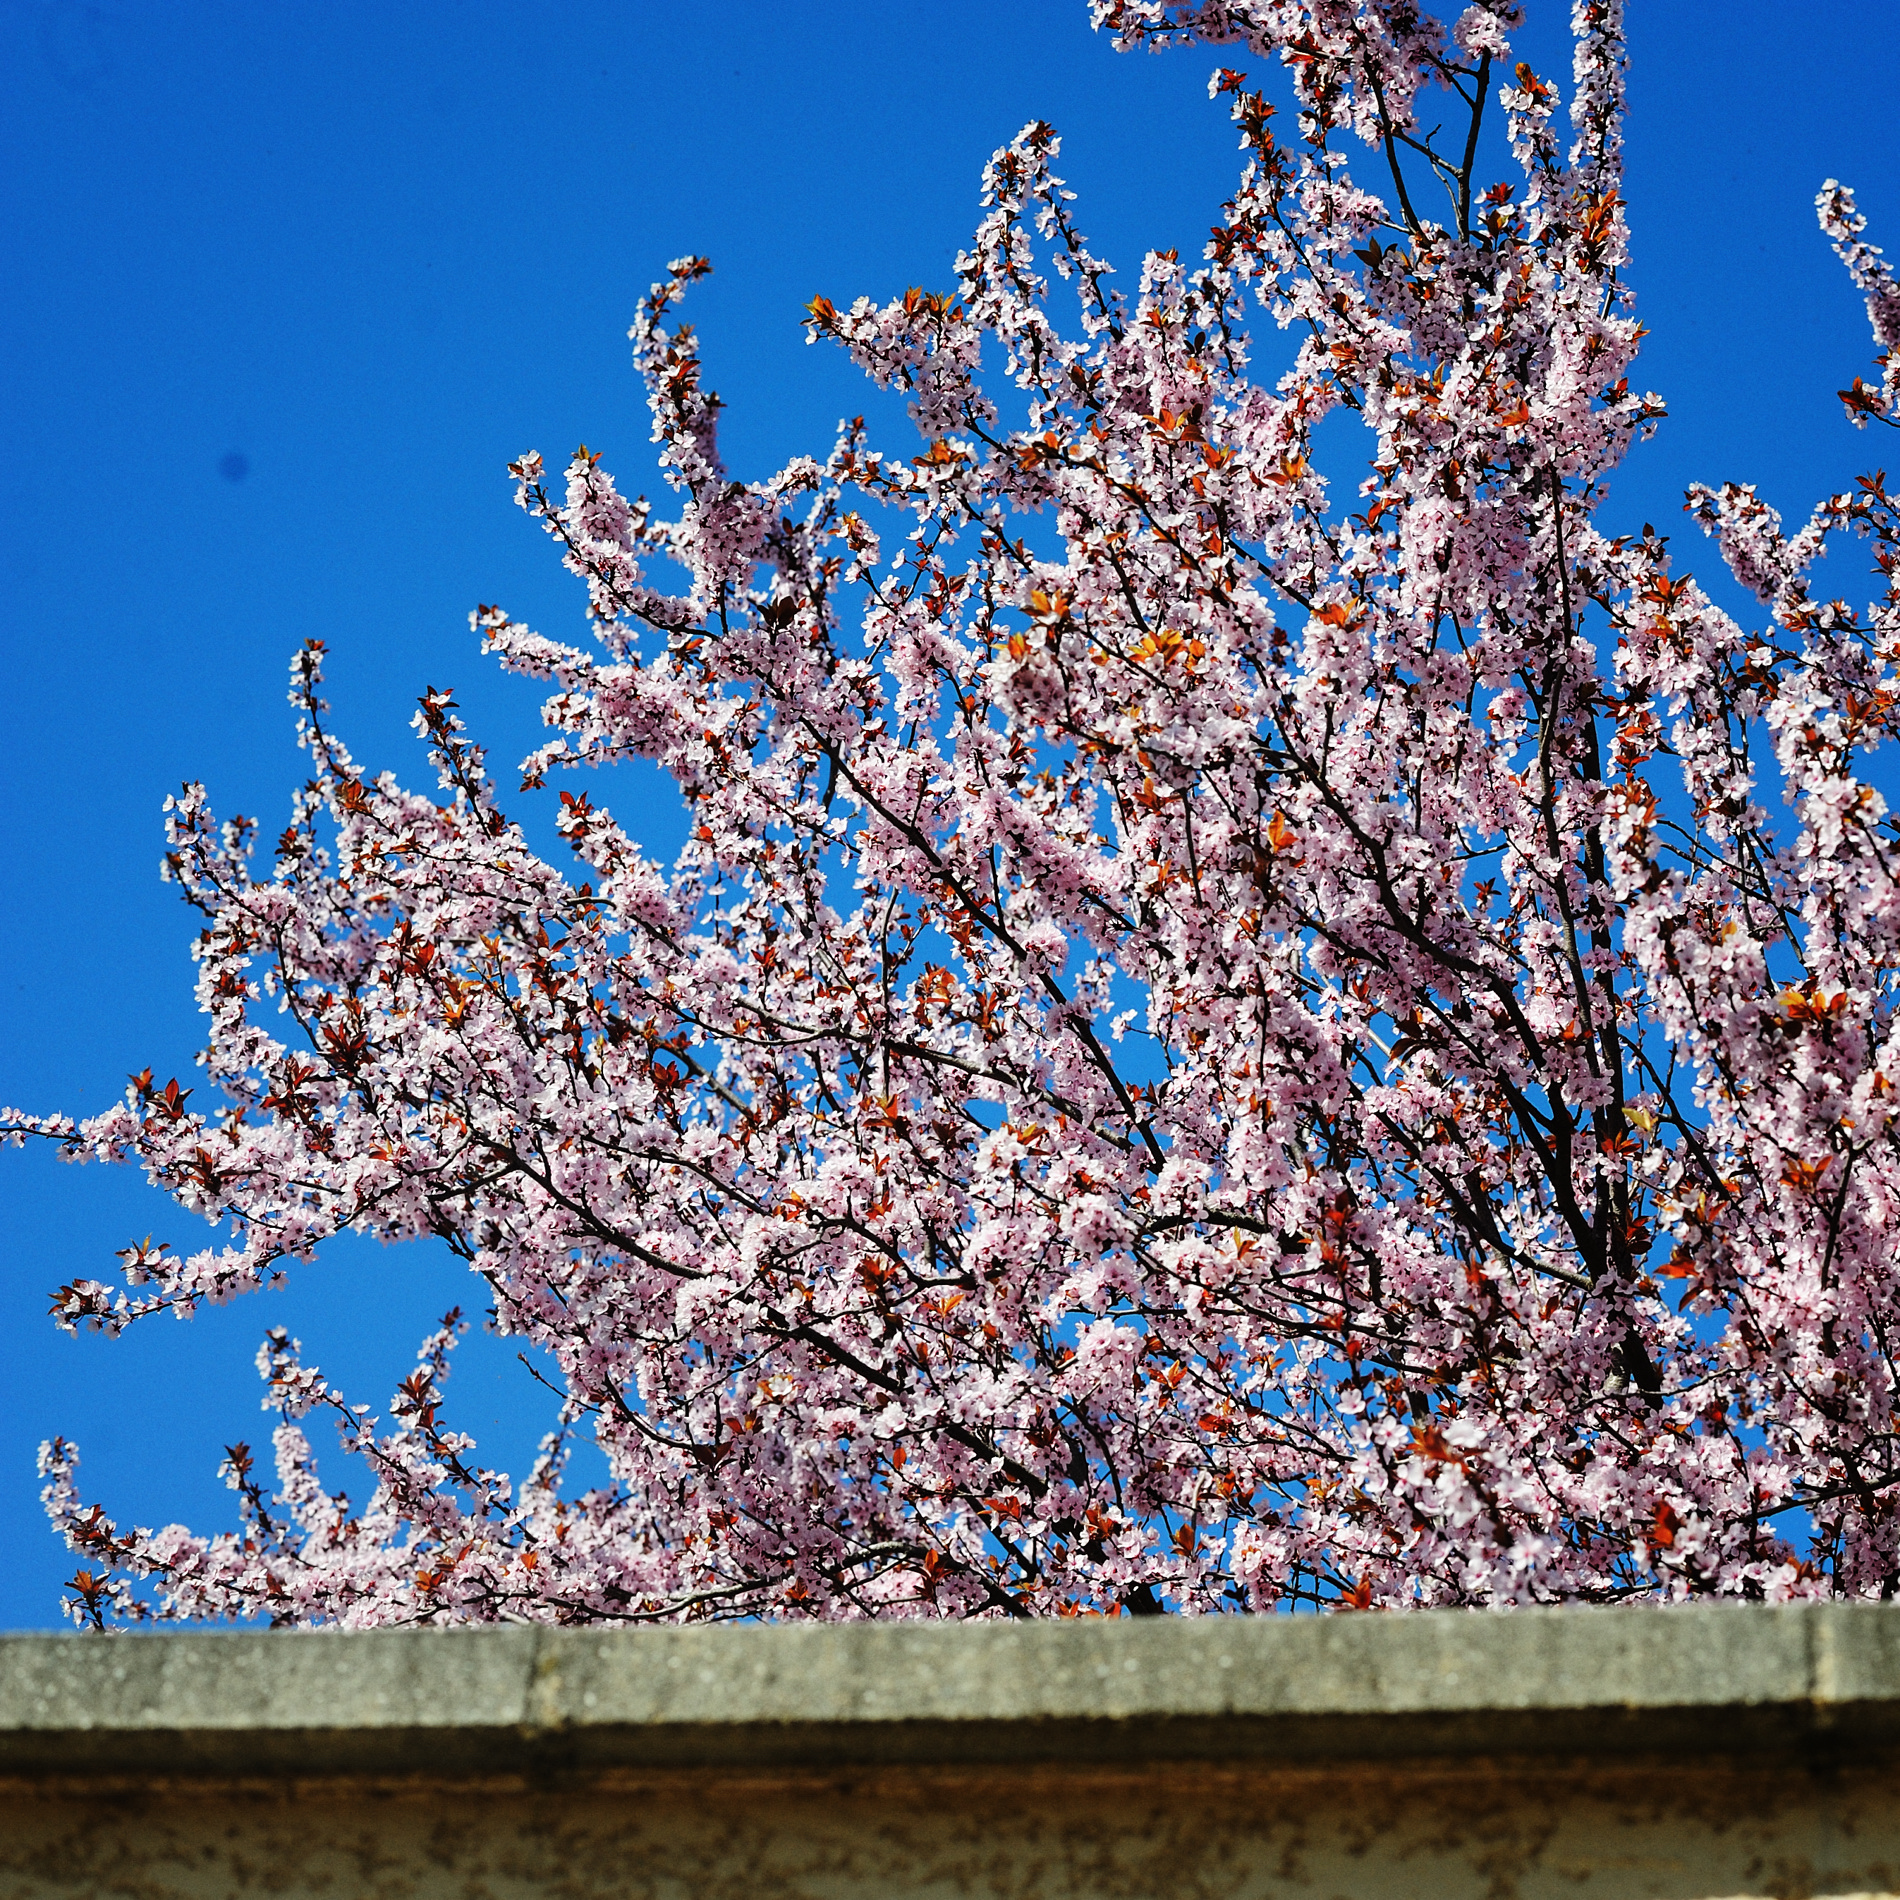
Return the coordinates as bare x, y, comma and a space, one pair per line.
1215, 1043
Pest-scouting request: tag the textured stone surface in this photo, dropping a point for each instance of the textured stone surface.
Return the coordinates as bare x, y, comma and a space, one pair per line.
1690, 1754
1174, 1833
1340, 1687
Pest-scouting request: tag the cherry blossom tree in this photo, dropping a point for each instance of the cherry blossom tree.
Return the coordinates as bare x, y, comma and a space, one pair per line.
1221, 1038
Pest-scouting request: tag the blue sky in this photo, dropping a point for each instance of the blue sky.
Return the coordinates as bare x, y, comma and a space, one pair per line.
287, 286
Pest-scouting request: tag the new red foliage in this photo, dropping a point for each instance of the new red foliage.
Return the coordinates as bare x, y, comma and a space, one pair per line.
1194, 1006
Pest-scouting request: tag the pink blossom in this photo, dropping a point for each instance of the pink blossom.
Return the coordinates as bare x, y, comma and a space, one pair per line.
1217, 1041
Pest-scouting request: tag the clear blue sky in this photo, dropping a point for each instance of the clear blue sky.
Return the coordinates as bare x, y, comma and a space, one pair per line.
287, 285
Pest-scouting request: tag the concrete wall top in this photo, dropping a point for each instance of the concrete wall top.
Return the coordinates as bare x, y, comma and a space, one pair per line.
1727, 1679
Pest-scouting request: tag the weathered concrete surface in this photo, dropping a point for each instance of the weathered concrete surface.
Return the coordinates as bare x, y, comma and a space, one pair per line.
1685, 1754
1175, 1833
488, 1700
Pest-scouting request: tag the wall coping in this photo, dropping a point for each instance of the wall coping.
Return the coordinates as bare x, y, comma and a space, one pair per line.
1806, 1679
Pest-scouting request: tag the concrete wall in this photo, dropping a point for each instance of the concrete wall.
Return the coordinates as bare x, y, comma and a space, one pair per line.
1678, 1755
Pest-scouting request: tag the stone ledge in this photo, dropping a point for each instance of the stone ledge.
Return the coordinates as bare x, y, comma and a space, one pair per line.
1614, 1684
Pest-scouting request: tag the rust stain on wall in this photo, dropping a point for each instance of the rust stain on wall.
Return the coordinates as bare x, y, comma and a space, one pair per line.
1659, 1830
